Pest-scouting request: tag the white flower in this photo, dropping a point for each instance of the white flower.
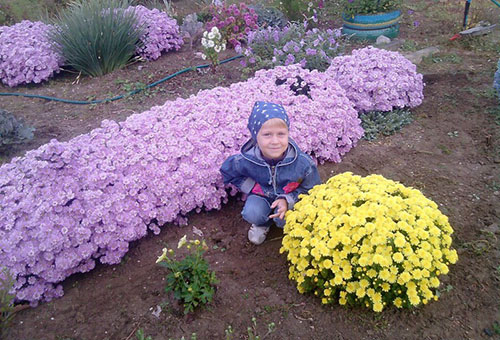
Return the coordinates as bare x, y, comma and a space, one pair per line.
203, 56
223, 46
163, 256
217, 48
210, 43
218, 36
204, 42
215, 30
182, 241
211, 35
205, 34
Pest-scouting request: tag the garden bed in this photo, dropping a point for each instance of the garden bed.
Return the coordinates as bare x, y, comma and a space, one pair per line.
450, 152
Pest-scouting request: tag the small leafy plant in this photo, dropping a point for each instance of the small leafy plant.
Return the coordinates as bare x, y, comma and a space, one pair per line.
353, 7
190, 279
140, 335
6, 301
13, 130
213, 44
191, 28
269, 16
386, 123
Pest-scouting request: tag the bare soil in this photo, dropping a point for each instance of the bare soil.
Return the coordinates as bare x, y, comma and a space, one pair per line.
451, 152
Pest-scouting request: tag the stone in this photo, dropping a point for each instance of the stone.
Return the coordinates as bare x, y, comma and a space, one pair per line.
493, 228
416, 57
382, 40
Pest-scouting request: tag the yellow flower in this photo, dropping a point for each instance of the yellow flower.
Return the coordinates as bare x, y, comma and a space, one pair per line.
398, 302
327, 263
398, 257
366, 236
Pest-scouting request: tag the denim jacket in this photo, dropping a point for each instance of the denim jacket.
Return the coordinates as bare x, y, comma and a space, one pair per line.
294, 175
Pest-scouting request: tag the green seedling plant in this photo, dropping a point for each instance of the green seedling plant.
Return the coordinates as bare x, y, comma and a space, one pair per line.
140, 335
190, 278
252, 331
6, 301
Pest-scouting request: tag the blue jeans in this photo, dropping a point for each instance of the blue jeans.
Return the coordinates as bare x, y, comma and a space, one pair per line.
257, 210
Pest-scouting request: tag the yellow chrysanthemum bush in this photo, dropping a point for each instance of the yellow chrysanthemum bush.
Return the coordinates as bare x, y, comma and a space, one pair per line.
367, 241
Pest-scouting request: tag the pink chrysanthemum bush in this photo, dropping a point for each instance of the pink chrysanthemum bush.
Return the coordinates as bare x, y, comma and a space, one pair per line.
66, 205
161, 32
378, 80
368, 241
26, 54
233, 22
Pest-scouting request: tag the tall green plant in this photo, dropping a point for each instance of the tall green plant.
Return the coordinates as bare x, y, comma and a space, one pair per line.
97, 36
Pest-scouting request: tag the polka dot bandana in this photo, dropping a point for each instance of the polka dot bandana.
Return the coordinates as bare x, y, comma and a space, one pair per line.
262, 112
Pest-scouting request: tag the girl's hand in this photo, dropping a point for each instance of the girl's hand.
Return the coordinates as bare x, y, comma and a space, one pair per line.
282, 206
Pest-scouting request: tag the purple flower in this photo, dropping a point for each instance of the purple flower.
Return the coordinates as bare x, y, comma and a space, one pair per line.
26, 54
161, 32
311, 51
396, 79
113, 202
416, 23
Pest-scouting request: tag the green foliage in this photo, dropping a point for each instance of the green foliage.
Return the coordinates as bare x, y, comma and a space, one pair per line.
6, 301
140, 335
353, 7
386, 123
293, 9
13, 130
269, 16
252, 332
313, 49
12, 12
190, 279
96, 36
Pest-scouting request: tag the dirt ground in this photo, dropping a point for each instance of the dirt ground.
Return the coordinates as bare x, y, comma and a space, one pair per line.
451, 152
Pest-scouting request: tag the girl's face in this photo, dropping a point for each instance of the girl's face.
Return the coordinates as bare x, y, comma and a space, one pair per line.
272, 138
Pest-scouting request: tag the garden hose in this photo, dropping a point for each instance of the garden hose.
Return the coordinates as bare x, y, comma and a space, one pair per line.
87, 102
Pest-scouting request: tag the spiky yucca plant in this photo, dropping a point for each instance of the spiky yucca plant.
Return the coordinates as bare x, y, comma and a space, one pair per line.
96, 36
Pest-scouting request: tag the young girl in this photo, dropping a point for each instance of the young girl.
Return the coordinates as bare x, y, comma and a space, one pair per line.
271, 169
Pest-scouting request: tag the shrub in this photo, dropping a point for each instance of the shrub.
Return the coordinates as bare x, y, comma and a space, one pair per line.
26, 54
86, 199
367, 241
269, 16
233, 22
96, 37
160, 32
13, 130
386, 123
312, 49
378, 80
190, 279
